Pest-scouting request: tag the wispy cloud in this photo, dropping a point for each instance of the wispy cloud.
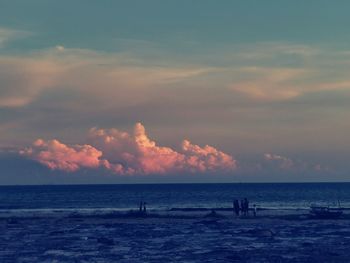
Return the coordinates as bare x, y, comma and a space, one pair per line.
271, 84
7, 35
98, 75
250, 103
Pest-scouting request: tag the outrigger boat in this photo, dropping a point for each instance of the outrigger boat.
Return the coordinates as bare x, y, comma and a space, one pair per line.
325, 212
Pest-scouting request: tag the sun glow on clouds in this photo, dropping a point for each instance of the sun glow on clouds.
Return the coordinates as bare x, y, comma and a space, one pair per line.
57, 155
129, 154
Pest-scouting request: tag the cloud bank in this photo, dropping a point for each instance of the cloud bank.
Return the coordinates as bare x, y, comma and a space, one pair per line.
129, 154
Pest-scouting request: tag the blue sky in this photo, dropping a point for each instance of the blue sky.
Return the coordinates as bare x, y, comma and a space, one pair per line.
175, 25
265, 82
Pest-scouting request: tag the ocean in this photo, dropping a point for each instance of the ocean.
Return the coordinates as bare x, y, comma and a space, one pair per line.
171, 196
91, 223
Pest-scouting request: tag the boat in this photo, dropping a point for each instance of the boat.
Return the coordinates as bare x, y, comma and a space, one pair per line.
325, 212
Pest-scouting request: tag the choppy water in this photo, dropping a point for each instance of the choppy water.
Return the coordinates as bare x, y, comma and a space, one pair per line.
167, 196
35, 227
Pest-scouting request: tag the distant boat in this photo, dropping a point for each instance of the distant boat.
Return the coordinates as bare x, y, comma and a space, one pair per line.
325, 212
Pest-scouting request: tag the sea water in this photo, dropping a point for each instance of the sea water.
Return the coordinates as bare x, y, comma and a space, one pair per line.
66, 235
170, 196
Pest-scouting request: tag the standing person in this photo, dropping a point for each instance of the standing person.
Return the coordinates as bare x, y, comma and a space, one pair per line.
246, 206
242, 207
140, 207
233, 207
254, 210
236, 207
144, 207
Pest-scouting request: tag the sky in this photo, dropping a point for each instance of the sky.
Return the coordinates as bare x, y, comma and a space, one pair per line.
165, 91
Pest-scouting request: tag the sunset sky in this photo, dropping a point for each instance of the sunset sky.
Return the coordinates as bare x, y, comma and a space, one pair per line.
174, 91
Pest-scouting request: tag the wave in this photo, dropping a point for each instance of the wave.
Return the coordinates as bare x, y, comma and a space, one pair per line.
117, 212
109, 212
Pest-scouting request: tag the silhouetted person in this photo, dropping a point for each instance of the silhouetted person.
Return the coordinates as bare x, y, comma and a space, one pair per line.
242, 207
144, 207
236, 207
140, 207
246, 206
254, 210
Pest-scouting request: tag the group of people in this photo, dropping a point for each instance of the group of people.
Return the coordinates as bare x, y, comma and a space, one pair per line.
242, 207
142, 207
239, 207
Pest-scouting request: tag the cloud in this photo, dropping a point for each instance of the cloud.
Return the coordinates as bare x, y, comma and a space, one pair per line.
23, 80
207, 158
57, 155
281, 161
129, 154
45, 91
97, 75
60, 48
268, 50
7, 35
282, 84
27, 77
271, 84
131, 80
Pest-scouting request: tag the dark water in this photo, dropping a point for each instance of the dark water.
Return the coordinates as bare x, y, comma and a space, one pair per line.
167, 196
48, 224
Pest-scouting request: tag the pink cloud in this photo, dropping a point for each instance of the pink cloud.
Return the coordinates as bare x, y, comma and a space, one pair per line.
56, 155
207, 158
129, 154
